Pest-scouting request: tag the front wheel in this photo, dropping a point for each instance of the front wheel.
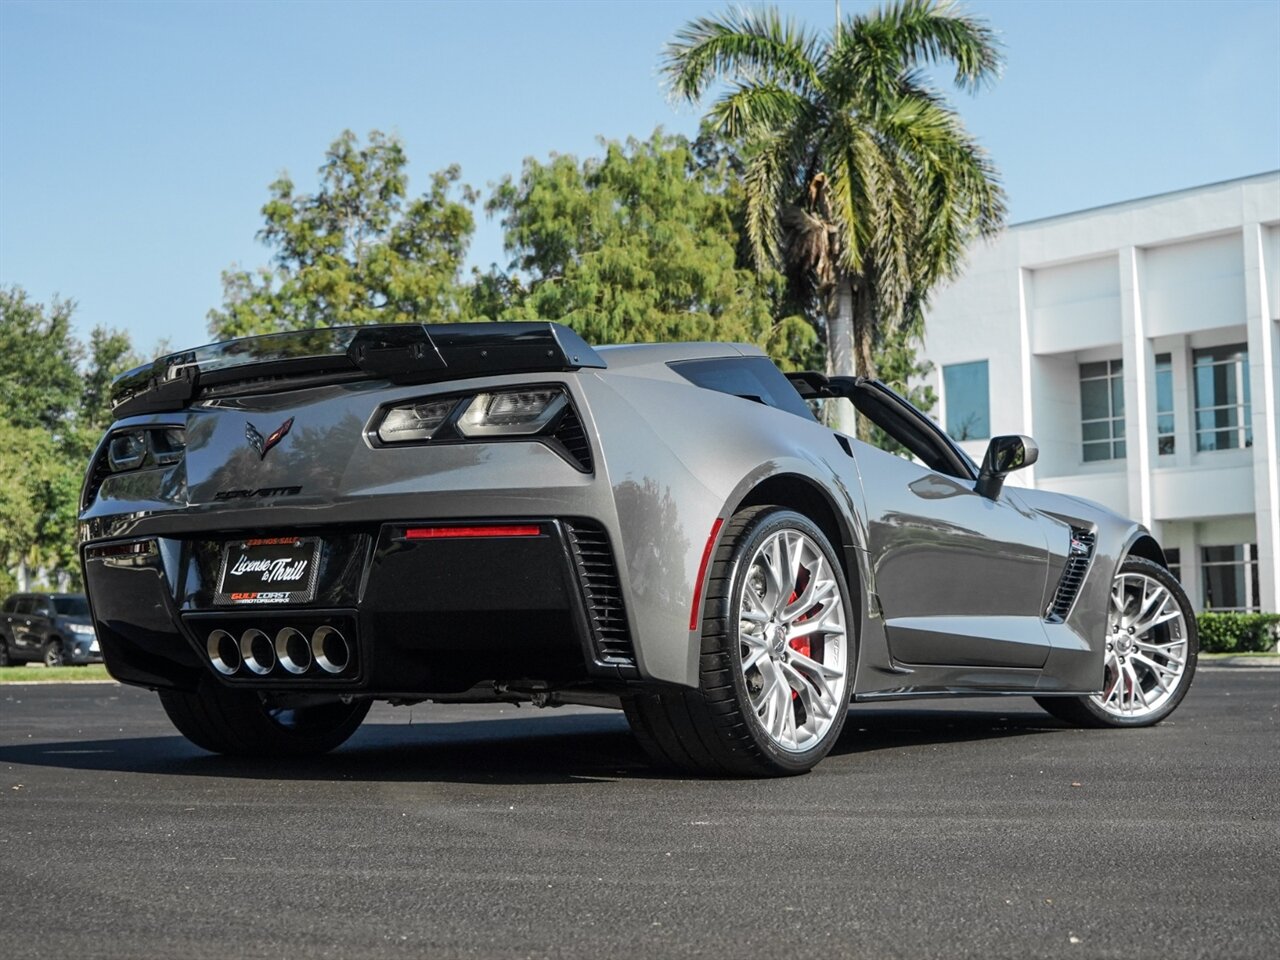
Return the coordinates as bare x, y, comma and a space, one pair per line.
247, 723
53, 656
1150, 656
777, 657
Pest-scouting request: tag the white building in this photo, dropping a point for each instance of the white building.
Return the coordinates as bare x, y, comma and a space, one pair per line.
1139, 344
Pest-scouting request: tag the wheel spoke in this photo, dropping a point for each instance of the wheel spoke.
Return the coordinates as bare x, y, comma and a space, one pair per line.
816, 624
815, 591
814, 693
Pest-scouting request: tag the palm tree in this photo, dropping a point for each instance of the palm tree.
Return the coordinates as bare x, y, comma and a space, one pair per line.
861, 182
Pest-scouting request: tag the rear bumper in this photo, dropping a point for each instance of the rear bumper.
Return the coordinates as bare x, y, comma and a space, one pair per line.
419, 616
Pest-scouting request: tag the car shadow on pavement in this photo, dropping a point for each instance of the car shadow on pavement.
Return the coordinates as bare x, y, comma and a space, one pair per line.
579, 748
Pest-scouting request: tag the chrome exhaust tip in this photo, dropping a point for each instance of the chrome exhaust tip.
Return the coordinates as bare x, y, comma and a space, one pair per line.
293, 650
257, 651
330, 649
224, 652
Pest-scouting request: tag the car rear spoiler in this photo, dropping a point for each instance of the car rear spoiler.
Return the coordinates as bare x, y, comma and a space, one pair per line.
401, 353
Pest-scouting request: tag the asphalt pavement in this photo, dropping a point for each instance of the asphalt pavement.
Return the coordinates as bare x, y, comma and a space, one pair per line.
964, 828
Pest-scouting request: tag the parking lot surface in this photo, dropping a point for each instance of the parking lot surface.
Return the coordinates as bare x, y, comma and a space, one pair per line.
957, 828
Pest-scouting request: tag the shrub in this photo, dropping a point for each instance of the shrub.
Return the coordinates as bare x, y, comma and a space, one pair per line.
1238, 632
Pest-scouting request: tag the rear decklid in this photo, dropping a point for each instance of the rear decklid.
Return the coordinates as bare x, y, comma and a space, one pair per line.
399, 353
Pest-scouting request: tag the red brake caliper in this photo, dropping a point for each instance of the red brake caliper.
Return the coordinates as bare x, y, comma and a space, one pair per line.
800, 644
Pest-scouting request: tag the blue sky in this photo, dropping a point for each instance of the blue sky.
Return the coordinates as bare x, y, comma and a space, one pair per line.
137, 139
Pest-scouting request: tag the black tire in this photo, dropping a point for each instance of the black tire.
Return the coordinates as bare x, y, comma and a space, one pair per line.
5, 659
248, 724
1086, 712
713, 730
53, 655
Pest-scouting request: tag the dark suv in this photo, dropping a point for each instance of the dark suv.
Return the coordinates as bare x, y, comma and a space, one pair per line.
53, 627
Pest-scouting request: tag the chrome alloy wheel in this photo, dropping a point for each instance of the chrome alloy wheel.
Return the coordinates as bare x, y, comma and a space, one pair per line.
792, 640
1146, 647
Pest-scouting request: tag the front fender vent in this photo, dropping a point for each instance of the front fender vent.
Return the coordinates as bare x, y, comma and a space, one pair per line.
602, 592
1079, 553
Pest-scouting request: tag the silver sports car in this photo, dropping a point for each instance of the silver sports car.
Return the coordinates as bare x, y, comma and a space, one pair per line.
278, 531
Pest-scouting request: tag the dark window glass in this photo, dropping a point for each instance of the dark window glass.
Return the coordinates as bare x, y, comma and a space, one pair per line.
751, 378
966, 393
1230, 577
71, 606
1223, 414
1102, 410
1164, 404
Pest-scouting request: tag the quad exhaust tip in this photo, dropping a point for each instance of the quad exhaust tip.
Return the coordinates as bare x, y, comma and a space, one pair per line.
330, 649
327, 648
293, 650
257, 651
224, 652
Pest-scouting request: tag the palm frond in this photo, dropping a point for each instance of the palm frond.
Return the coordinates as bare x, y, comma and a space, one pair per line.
749, 106
877, 48
757, 45
764, 180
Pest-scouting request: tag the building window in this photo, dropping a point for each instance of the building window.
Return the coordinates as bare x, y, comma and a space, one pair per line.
1222, 398
968, 400
1164, 404
1102, 410
1173, 558
1230, 577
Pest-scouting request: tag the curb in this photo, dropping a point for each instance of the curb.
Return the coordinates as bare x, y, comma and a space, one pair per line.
1244, 661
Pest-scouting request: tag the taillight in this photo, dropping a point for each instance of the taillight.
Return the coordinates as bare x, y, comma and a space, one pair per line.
414, 421
127, 451
145, 447
511, 413
493, 414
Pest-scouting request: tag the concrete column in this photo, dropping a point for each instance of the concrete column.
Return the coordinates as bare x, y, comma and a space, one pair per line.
1139, 380
1264, 357
1184, 404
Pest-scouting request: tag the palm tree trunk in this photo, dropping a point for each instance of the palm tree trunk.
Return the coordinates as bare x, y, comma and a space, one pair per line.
864, 335
839, 322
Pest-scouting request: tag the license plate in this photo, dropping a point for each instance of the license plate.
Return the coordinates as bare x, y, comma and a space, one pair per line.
93, 647
269, 570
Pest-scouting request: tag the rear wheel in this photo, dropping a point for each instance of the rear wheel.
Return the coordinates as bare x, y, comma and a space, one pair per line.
6, 659
1151, 648
777, 657
247, 723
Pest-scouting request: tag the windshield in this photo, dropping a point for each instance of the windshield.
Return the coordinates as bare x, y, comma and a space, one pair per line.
71, 606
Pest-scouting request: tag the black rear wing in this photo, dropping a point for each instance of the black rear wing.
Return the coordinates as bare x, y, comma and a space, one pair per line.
401, 353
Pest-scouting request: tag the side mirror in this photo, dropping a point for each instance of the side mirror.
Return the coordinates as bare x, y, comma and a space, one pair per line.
1004, 455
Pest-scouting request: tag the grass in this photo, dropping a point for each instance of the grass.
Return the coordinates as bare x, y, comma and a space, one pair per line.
1271, 654
35, 673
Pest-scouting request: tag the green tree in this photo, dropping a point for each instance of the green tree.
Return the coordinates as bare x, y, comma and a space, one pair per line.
359, 250
861, 182
39, 379
638, 245
109, 354
55, 408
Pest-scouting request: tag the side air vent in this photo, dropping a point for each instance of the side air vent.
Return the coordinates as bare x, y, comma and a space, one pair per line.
1078, 556
573, 440
602, 592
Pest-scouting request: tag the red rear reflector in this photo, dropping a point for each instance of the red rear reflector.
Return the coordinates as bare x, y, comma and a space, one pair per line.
455, 533
138, 548
702, 573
